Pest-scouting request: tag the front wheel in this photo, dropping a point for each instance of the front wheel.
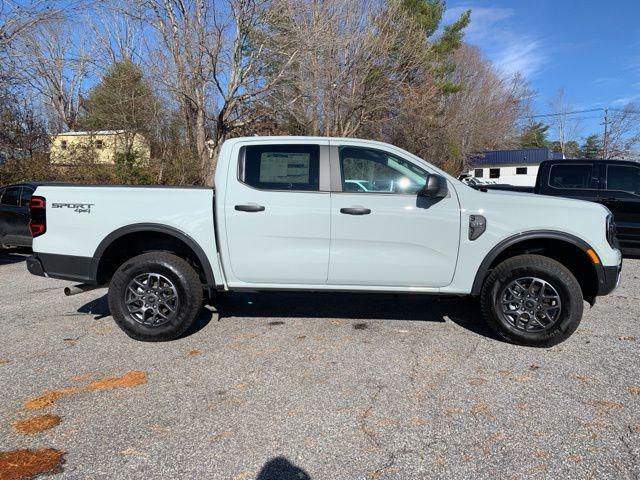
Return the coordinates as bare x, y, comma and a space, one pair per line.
532, 300
155, 296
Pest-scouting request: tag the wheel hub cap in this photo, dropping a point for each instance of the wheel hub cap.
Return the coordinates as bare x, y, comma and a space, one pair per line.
151, 299
530, 304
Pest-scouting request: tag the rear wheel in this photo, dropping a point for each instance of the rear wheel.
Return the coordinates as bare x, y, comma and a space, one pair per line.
155, 296
532, 300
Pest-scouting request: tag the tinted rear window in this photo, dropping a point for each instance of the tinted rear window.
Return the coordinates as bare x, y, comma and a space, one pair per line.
570, 176
11, 196
282, 167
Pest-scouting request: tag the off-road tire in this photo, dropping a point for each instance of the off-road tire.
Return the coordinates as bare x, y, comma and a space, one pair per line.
544, 268
187, 285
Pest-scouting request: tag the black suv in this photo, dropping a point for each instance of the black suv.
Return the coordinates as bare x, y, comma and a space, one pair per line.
613, 183
14, 215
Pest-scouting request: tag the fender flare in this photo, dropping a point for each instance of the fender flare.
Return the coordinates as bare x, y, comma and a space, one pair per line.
483, 270
154, 227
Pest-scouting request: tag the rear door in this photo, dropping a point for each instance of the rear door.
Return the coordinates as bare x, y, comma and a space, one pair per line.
620, 193
382, 232
277, 213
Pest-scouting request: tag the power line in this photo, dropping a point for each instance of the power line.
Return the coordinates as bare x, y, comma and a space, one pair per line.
575, 112
562, 113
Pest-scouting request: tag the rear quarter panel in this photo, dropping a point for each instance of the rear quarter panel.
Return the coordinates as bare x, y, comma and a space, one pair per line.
79, 231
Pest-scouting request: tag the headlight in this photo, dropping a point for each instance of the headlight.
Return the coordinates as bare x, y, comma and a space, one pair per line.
612, 233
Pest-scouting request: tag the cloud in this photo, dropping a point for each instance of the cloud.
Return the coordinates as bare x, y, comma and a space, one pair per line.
605, 81
483, 21
492, 31
524, 56
624, 101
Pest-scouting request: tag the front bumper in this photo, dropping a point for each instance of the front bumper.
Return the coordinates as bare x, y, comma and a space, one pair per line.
608, 279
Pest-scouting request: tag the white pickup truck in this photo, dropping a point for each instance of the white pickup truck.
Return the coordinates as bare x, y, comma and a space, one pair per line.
326, 214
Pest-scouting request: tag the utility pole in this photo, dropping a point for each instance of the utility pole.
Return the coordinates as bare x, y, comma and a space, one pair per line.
605, 138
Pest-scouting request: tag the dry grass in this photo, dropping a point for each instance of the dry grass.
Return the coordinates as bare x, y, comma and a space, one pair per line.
23, 464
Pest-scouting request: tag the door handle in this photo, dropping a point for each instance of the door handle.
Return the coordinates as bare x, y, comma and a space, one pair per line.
355, 211
252, 207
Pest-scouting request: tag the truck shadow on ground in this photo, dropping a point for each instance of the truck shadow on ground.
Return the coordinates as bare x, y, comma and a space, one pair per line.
13, 255
464, 312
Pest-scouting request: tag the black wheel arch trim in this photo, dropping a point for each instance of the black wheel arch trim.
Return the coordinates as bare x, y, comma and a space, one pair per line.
154, 227
483, 270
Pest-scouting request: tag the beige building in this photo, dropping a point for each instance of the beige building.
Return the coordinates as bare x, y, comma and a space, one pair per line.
98, 147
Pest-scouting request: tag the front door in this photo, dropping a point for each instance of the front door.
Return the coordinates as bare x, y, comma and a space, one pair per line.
382, 232
277, 215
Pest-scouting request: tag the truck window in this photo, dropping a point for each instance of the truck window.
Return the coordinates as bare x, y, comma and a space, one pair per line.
478, 173
494, 173
281, 167
570, 176
11, 197
521, 170
625, 178
25, 197
367, 170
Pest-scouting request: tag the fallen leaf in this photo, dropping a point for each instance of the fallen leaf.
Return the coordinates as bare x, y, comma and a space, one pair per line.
36, 424
130, 379
583, 378
134, 453
627, 338
482, 409
477, 381
604, 406
24, 464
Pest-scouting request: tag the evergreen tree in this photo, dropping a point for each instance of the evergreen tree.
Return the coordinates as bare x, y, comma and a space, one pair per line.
591, 148
534, 135
123, 100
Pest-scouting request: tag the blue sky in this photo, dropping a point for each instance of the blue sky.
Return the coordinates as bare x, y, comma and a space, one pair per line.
590, 48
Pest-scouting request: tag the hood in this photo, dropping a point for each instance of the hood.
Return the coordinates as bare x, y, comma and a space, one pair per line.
533, 199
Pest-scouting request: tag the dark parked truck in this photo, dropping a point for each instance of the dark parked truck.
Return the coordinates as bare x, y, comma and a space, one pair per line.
327, 214
612, 183
14, 215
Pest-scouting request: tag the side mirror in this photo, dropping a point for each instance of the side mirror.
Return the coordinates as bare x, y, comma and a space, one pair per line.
435, 187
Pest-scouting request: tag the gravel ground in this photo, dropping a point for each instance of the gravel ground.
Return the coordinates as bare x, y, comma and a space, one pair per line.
320, 386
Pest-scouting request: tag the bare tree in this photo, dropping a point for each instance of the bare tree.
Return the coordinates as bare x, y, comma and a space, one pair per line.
566, 128
18, 18
55, 63
483, 114
623, 133
207, 59
352, 58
